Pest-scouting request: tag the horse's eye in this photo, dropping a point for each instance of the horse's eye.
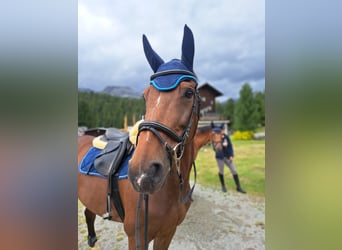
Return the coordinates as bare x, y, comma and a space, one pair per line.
189, 93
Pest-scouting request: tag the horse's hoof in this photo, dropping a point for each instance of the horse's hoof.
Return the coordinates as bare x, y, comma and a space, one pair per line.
91, 240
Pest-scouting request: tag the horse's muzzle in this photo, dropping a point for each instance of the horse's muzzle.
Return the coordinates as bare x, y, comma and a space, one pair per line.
149, 181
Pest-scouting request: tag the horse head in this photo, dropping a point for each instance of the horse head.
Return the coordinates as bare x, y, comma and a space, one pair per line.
172, 108
216, 135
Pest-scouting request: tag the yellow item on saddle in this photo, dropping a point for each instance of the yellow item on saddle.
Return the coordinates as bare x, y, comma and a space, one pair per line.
98, 143
134, 132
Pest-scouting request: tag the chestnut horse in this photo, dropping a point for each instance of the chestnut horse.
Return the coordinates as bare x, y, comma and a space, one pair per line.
206, 134
163, 157
217, 136
202, 137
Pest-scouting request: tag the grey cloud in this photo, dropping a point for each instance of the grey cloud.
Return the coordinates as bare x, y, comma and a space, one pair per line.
229, 41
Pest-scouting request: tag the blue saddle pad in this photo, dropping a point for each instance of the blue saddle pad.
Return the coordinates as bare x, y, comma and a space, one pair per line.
87, 164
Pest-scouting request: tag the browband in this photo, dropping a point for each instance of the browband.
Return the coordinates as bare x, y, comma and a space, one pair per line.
172, 71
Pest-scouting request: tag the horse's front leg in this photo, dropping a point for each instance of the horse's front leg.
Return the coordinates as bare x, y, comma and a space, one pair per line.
132, 244
90, 219
162, 242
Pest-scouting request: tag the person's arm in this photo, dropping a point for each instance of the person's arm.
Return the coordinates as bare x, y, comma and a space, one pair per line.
230, 148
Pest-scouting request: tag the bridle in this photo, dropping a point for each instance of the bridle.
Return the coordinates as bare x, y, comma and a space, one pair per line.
174, 153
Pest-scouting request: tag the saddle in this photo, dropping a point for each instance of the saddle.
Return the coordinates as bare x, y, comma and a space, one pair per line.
115, 146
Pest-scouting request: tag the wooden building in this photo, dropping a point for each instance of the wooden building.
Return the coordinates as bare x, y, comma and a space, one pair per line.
208, 94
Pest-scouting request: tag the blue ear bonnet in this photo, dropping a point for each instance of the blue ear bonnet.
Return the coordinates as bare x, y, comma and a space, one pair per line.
167, 76
217, 130
170, 74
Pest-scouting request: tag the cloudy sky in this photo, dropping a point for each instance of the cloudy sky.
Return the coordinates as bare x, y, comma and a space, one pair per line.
229, 41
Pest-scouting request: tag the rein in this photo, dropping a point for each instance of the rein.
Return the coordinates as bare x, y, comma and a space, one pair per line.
137, 214
137, 222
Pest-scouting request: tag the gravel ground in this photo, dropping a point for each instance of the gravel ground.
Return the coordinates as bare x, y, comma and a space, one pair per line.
215, 220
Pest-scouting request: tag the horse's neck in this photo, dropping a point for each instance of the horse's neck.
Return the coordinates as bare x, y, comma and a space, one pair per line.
202, 139
189, 154
187, 160
205, 139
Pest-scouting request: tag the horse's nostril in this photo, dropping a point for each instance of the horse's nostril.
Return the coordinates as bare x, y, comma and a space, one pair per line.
155, 168
150, 179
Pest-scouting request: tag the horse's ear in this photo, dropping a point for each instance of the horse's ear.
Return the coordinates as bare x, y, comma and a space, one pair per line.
188, 48
152, 57
212, 124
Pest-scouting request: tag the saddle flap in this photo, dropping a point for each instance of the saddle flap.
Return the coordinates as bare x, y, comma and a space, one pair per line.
111, 157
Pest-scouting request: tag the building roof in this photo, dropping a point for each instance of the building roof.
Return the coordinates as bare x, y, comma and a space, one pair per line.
210, 88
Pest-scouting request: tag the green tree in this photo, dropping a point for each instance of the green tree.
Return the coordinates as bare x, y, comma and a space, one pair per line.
260, 107
219, 108
228, 112
245, 113
84, 117
103, 110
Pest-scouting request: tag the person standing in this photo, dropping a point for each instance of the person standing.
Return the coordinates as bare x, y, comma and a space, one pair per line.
224, 154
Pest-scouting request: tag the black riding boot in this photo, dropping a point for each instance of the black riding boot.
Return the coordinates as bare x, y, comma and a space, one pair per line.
237, 183
222, 183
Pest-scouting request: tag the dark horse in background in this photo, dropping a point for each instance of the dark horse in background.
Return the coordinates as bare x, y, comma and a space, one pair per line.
163, 157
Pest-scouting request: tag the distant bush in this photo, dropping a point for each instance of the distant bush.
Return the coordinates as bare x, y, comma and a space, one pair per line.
243, 135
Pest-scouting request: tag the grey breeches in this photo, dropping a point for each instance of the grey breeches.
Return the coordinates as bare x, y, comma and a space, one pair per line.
229, 163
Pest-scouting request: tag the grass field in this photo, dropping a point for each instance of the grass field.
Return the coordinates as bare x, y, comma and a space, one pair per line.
249, 161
